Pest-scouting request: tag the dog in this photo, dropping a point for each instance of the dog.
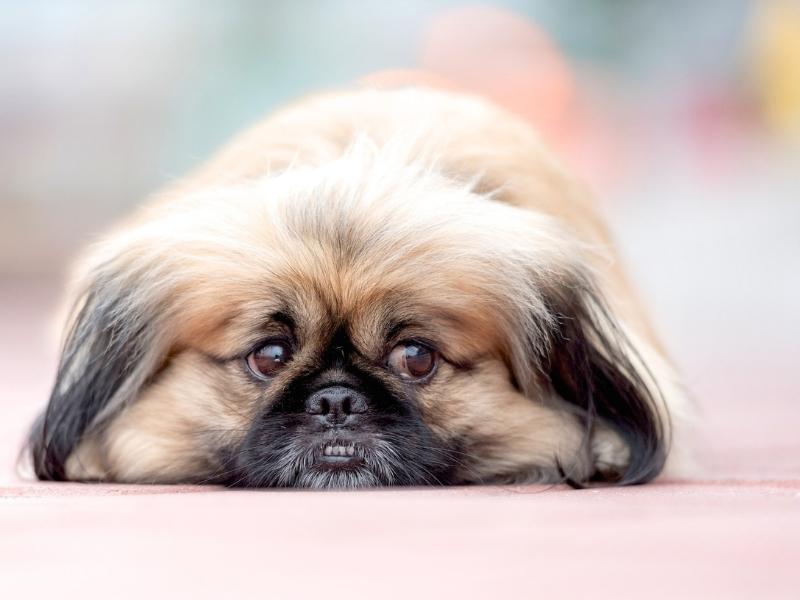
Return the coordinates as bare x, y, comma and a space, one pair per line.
369, 288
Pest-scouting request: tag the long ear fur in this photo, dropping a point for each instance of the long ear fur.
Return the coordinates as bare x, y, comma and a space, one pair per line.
109, 353
593, 365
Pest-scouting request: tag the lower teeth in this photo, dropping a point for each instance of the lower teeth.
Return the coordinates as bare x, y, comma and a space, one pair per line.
339, 451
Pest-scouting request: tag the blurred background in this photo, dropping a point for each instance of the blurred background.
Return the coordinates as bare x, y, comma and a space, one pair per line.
683, 116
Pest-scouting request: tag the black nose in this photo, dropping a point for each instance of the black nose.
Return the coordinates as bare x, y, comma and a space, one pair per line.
336, 404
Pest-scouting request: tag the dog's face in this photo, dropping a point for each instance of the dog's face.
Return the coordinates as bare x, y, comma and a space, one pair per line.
363, 323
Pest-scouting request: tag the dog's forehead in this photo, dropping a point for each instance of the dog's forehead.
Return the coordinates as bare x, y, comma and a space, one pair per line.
368, 305
316, 294
370, 257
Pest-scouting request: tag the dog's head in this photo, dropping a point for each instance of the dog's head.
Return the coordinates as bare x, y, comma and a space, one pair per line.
367, 322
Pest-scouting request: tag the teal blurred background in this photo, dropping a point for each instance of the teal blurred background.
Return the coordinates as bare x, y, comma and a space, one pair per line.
683, 116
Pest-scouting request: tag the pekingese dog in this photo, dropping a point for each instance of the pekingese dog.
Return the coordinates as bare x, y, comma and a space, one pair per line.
370, 288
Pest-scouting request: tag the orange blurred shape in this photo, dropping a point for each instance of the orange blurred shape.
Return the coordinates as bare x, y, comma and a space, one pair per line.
507, 58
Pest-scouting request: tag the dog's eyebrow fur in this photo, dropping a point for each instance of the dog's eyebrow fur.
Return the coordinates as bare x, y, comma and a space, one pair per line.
276, 323
423, 323
283, 317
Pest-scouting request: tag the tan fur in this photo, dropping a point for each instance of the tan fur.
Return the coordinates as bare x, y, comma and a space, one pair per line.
404, 178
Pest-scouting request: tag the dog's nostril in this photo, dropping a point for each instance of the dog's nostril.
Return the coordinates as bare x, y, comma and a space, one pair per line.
336, 403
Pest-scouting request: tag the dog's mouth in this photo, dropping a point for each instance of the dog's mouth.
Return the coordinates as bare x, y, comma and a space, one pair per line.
341, 458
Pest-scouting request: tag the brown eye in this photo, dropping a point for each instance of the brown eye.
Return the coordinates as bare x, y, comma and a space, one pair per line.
411, 360
269, 359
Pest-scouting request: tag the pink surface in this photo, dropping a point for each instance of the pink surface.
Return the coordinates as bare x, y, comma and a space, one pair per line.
679, 540
736, 535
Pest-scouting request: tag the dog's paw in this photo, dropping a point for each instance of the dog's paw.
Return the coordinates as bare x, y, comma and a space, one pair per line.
610, 454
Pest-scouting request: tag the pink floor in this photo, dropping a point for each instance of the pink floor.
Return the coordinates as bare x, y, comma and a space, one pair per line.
734, 532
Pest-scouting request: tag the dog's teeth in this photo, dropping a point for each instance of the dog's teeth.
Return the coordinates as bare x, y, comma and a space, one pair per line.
338, 450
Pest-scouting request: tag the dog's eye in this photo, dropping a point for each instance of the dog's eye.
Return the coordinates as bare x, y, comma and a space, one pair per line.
269, 359
411, 360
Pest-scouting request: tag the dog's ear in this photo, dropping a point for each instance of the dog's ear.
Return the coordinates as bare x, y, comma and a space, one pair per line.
111, 350
593, 365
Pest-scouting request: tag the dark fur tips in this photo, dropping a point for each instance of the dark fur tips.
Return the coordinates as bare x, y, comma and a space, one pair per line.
590, 366
103, 364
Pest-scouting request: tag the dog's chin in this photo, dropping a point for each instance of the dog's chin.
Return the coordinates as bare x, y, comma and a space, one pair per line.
336, 463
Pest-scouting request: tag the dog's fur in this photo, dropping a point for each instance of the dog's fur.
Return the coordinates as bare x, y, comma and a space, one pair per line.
346, 224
